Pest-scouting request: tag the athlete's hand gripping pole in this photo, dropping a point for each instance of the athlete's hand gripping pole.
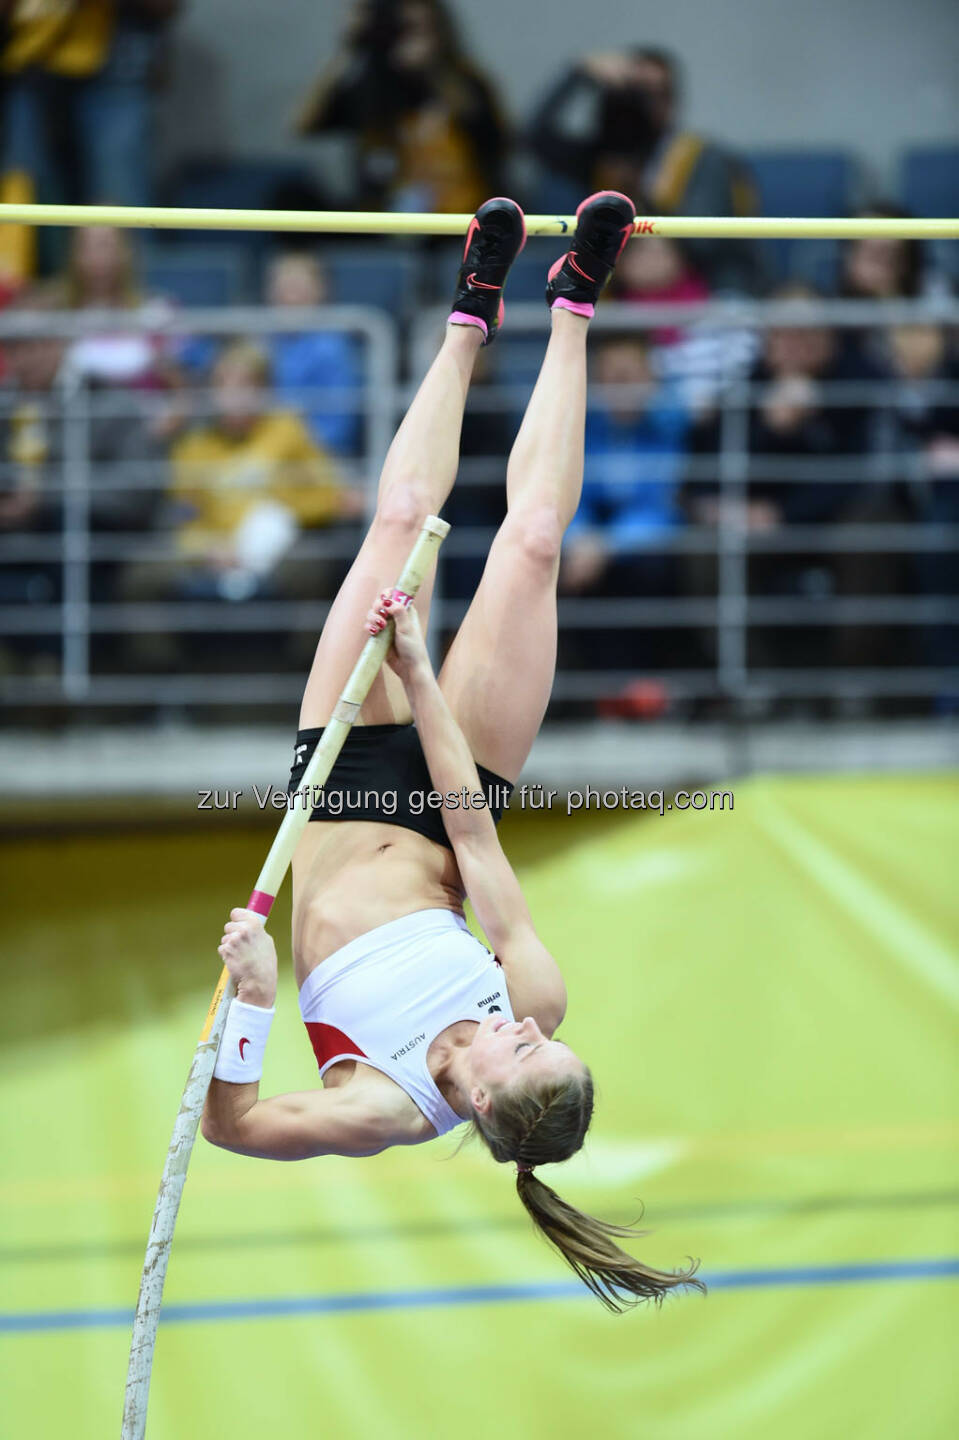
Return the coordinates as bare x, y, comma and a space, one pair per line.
268, 883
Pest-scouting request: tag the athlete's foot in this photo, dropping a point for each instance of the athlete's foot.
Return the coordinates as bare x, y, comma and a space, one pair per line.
604, 222
496, 235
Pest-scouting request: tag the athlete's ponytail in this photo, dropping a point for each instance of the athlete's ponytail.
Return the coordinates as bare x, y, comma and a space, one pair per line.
615, 1277
546, 1125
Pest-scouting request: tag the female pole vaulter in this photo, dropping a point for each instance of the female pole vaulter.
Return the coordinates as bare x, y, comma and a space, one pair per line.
415, 1025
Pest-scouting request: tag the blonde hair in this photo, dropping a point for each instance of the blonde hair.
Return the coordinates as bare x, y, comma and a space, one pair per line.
129, 293
246, 355
299, 260
546, 1124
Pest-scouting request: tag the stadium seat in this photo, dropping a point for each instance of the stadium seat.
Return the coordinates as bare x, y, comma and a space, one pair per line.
195, 278
556, 194
241, 185
929, 186
527, 278
387, 280
930, 181
803, 182
816, 183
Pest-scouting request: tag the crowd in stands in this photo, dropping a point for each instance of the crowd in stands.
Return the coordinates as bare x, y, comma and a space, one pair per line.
235, 466
76, 108
235, 448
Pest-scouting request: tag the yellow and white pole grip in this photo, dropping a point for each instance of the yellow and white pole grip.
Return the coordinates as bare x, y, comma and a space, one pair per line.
271, 876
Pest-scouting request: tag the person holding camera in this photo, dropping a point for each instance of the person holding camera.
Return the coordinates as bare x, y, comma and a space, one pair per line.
429, 131
613, 120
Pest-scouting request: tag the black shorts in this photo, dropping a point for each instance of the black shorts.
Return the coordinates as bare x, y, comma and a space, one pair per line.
381, 774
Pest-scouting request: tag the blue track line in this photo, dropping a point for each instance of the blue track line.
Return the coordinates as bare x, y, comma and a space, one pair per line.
879, 1271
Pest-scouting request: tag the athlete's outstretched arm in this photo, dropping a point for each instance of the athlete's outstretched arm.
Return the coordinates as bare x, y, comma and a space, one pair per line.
285, 1127
536, 984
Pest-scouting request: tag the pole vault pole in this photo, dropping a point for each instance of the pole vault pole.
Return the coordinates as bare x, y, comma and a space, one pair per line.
147, 1316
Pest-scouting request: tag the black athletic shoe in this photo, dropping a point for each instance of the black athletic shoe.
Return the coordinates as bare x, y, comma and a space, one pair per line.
496, 235
604, 222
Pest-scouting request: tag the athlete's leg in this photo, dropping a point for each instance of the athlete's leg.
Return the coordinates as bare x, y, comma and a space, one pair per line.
418, 473
499, 671
417, 477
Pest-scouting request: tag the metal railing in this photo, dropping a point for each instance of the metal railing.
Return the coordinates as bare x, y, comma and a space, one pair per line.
78, 548
77, 481
735, 611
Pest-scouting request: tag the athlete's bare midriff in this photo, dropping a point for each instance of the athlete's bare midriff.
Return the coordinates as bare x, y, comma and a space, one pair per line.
349, 876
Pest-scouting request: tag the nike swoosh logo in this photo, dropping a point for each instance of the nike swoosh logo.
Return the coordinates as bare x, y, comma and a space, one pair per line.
580, 270
473, 284
243, 1042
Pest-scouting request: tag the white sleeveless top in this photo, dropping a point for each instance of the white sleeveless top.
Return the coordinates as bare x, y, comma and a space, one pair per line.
383, 999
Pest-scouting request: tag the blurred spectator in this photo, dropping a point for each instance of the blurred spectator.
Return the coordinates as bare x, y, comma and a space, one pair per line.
243, 486
635, 448
793, 419
101, 276
801, 435
28, 445
928, 418
700, 357
427, 124
655, 271
612, 121
77, 107
879, 268
35, 410
323, 361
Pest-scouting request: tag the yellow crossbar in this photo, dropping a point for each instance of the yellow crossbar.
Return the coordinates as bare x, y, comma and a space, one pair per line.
360, 222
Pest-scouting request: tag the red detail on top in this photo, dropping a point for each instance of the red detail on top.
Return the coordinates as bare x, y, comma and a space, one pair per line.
474, 226
645, 227
579, 269
260, 902
327, 1041
243, 1042
401, 595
